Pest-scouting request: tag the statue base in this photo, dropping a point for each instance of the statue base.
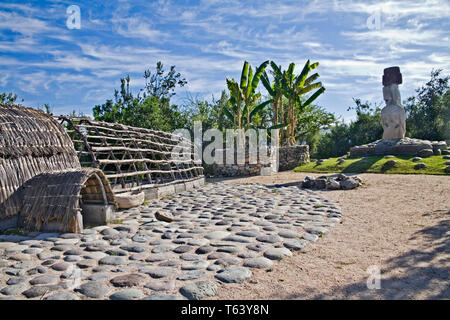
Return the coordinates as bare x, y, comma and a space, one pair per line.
406, 146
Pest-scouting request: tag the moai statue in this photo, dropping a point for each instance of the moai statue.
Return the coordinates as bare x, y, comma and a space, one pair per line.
393, 116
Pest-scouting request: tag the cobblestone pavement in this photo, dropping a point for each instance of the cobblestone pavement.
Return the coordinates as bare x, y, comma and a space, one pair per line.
219, 234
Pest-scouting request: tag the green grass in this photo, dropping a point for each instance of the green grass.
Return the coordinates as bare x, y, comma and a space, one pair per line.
376, 164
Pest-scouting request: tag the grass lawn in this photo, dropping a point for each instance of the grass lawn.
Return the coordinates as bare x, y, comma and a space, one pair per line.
376, 164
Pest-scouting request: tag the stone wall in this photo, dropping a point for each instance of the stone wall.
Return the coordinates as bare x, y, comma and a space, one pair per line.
291, 157
248, 167
288, 158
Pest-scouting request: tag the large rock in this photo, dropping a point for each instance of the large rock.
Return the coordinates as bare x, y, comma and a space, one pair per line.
199, 290
425, 153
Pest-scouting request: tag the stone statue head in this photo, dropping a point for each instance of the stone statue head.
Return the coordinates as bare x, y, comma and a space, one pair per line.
391, 94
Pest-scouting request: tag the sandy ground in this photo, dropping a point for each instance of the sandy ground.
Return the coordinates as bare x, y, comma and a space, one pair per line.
398, 223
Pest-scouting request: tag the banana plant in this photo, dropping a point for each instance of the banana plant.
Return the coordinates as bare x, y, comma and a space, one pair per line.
294, 87
244, 96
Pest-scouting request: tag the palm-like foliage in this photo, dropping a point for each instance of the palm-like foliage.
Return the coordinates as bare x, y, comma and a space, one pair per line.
294, 87
243, 96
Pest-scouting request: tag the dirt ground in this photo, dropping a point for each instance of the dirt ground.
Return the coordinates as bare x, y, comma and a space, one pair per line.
398, 223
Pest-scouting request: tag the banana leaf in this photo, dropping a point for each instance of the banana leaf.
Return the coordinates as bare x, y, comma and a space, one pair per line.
309, 88
314, 96
259, 108
266, 83
300, 79
276, 69
311, 79
258, 73
228, 114
244, 76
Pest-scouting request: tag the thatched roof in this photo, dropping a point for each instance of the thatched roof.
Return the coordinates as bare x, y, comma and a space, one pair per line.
40, 174
56, 197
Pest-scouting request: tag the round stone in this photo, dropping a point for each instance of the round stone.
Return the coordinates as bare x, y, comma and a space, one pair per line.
310, 237
233, 274
258, 247
155, 257
141, 238
230, 249
249, 233
32, 251
84, 264
162, 296
95, 255
159, 272
277, 253
61, 266
72, 258
67, 242
39, 291
38, 269
162, 285
93, 289
237, 239
134, 248
128, 280
162, 248
204, 250
182, 249
127, 294
217, 235
227, 261
190, 257
202, 264
98, 276
63, 296
169, 263
316, 230
109, 232
14, 289
16, 280
288, 234
117, 252
259, 263
295, 244
74, 252
198, 242
198, 290
192, 275
112, 260
44, 279
271, 238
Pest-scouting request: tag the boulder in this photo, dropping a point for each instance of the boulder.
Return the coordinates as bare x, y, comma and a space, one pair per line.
349, 184
425, 153
129, 200
420, 165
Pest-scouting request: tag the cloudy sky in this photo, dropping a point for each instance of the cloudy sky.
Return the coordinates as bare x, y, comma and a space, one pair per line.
43, 60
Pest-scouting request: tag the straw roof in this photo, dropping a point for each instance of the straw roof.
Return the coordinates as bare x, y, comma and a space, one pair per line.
56, 197
40, 174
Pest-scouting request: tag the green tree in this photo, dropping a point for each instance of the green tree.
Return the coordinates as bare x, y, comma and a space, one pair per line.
9, 99
310, 123
151, 108
428, 114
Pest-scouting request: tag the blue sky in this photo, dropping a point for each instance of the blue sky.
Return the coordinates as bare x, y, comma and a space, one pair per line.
44, 61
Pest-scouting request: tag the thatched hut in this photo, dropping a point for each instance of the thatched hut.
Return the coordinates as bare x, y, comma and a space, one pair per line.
42, 184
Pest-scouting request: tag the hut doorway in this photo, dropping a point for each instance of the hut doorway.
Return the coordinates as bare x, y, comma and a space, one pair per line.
95, 202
